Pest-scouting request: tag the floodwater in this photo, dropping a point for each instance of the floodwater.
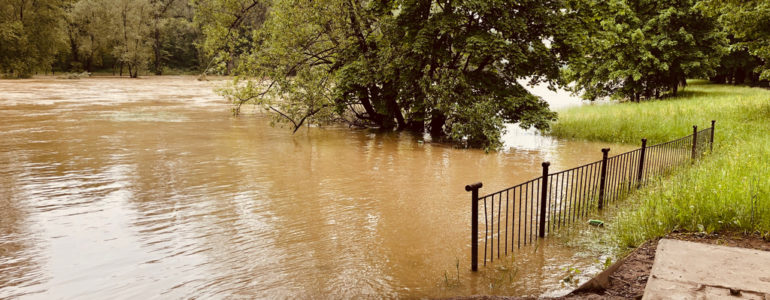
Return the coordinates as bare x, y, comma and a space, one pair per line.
119, 188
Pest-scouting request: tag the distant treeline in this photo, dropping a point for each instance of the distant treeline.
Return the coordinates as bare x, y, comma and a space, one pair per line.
451, 68
129, 37
126, 37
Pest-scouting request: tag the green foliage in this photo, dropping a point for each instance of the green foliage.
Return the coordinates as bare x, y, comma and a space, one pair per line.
449, 68
174, 36
131, 46
569, 276
227, 26
738, 67
85, 35
749, 22
639, 49
29, 36
727, 190
87, 38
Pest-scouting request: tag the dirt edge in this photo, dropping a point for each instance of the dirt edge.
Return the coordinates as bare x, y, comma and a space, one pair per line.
628, 280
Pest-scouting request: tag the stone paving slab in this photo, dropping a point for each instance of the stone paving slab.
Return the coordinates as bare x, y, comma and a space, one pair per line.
687, 270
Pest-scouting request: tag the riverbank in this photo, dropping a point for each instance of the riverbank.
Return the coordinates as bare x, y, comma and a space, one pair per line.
103, 75
726, 192
629, 278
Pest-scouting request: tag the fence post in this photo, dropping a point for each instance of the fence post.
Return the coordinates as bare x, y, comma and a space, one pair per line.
694, 142
543, 199
474, 189
641, 163
711, 140
603, 180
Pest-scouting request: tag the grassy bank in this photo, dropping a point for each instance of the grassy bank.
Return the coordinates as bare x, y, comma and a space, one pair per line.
729, 190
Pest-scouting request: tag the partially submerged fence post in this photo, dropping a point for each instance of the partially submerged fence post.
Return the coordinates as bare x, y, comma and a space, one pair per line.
694, 142
641, 163
711, 140
603, 180
474, 189
543, 199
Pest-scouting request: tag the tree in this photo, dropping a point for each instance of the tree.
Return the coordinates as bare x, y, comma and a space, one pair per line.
87, 33
145, 34
228, 26
159, 10
173, 35
738, 67
639, 49
451, 68
132, 47
178, 41
749, 22
30, 36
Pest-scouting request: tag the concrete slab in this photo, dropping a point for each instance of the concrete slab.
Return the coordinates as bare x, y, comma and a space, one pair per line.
687, 270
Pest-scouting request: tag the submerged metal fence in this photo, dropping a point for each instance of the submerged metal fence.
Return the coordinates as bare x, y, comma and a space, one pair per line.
522, 213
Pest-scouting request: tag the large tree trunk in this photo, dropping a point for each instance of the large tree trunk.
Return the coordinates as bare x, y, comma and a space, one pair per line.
364, 97
157, 49
437, 121
89, 63
389, 93
740, 76
417, 122
74, 49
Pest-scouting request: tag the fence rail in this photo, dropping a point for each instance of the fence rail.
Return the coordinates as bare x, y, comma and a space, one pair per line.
518, 215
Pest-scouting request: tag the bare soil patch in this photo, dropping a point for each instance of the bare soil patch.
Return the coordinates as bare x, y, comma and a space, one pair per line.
630, 279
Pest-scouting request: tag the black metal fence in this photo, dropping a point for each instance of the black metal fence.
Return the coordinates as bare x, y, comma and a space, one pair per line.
522, 213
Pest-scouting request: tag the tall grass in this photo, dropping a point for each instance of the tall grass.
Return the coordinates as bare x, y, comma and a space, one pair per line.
728, 190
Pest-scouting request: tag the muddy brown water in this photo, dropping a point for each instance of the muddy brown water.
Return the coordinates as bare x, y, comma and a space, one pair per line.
118, 188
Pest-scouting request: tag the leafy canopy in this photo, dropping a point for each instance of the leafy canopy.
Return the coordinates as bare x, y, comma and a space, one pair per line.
452, 68
639, 49
30, 36
749, 22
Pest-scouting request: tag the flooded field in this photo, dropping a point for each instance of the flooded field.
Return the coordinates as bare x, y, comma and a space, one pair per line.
149, 188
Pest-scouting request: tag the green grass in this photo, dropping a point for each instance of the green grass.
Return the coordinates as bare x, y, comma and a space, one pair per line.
726, 191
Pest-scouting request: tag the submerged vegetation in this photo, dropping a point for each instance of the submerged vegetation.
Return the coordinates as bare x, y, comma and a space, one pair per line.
446, 68
453, 69
728, 190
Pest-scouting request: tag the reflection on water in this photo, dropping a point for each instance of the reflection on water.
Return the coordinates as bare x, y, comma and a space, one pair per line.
149, 188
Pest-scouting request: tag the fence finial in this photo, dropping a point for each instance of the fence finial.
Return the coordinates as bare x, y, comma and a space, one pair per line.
473, 186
